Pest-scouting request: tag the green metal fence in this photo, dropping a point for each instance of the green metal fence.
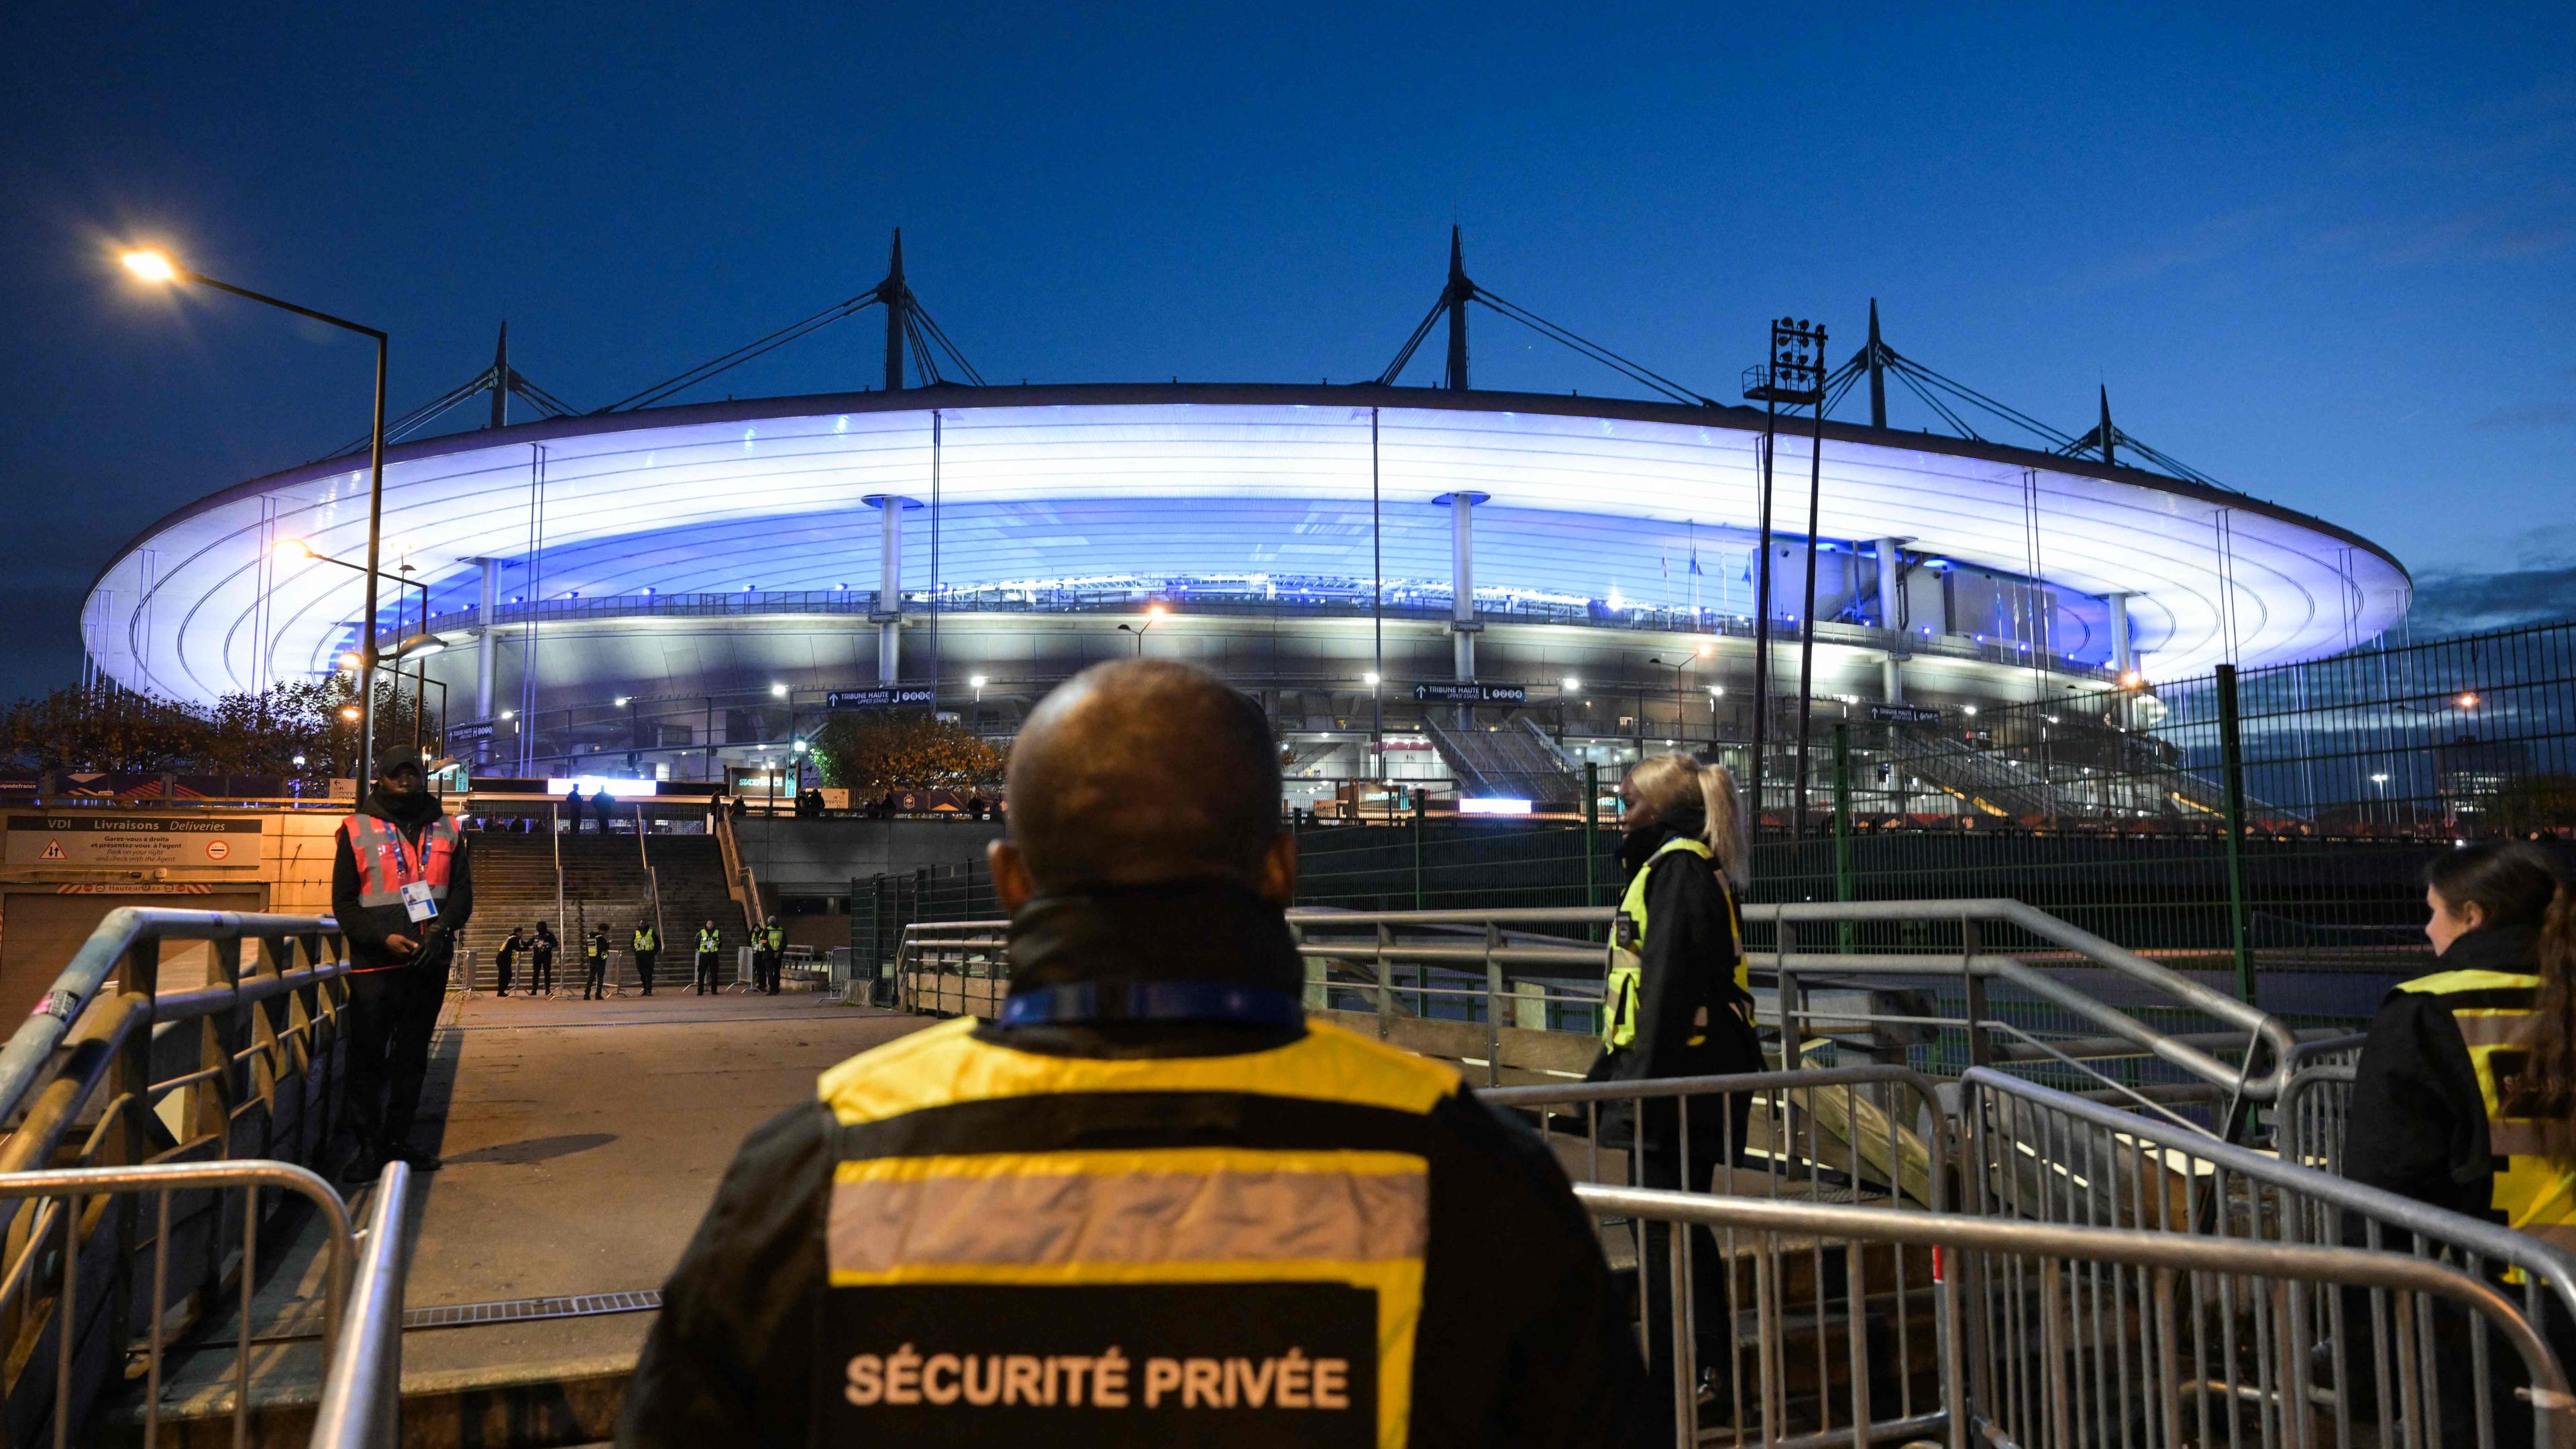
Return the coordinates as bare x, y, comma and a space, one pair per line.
2112, 809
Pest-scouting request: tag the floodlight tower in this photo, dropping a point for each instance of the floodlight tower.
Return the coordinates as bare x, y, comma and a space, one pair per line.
1794, 375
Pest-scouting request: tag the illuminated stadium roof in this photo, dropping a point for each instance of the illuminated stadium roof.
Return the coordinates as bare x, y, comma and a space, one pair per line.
1033, 486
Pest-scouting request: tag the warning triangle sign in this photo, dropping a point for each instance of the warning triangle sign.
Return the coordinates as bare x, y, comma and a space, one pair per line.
54, 851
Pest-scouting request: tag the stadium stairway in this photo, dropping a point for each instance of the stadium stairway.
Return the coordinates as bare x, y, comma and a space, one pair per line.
604, 883
1516, 760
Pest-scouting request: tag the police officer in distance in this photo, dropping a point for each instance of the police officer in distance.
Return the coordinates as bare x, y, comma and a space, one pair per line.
648, 944
2465, 1094
541, 957
1011, 1233
769, 944
594, 960
402, 888
506, 957
710, 951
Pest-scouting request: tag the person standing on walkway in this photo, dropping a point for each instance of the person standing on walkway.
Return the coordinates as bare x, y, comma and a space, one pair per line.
541, 961
769, 946
1679, 1006
601, 802
710, 951
594, 959
402, 889
506, 957
1156, 1197
2465, 1093
648, 944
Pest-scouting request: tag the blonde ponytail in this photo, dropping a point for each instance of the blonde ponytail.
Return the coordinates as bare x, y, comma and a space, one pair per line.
1666, 784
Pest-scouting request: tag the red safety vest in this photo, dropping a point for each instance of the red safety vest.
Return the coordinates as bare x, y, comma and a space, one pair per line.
387, 862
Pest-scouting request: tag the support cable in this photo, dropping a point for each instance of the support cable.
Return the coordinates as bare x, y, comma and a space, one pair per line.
745, 353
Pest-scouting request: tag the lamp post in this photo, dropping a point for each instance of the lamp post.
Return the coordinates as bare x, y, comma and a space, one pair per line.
1153, 616
418, 646
154, 265
1377, 727
1681, 720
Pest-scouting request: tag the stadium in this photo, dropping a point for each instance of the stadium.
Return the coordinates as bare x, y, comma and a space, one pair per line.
681, 591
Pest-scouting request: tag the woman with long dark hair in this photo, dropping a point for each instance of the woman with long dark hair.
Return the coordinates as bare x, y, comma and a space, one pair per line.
2465, 1095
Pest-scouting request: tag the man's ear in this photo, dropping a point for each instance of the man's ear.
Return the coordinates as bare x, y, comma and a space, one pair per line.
1012, 884
2472, 915
1278, 884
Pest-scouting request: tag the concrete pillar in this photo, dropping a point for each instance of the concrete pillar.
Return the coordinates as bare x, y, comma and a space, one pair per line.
1891, 677
2122, 661
489, 646
1463, 627
1891, 601
889, 610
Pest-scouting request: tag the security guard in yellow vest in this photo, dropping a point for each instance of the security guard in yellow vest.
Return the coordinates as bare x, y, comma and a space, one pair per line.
710, 951
1152, 1203
2436, 1084
648, 944
768, 948
2442, 1101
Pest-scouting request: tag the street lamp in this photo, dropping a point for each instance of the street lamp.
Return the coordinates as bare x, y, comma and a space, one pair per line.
1153, 616
1377, 726
151, 264
1681, 724
419, 646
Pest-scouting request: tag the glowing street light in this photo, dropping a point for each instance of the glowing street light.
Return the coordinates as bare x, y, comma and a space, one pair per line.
154, 265
2468, 699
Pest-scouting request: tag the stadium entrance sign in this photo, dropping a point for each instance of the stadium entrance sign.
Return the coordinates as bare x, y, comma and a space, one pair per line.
1903, 714
1471, 694
886, 698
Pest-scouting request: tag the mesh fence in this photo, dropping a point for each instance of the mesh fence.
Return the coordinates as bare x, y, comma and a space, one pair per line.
2108, 808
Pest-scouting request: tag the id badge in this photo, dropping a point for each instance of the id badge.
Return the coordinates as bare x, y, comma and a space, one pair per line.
418, 902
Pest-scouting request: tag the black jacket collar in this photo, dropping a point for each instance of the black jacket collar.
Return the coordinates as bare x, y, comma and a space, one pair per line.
1642, 841
1189, 931
2495, 948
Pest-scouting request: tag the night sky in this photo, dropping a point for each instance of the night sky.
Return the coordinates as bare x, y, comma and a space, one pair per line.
2328, 256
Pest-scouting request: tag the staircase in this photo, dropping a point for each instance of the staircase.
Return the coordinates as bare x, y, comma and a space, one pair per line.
1515, 761
604, 884
1988, 782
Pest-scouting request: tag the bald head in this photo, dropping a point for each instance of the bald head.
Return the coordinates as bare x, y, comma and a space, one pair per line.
1144, 772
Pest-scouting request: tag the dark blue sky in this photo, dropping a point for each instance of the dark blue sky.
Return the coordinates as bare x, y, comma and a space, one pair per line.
2329, 257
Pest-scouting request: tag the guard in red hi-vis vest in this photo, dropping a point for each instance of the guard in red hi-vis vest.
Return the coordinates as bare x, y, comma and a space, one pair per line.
401, 889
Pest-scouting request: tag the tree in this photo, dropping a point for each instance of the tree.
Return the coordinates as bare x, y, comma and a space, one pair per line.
110, 728
869, 755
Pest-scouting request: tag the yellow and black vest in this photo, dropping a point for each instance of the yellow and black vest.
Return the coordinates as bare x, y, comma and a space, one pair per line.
647, 939
709, 943
1628, 946
2493, 1009
1239, 1261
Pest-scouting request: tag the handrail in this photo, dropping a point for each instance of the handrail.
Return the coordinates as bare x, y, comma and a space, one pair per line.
652, 877
2179, 1050
120, 934
554, 841
2555, 1266
362, 1384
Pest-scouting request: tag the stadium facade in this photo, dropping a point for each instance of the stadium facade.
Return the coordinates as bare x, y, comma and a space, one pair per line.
681, 592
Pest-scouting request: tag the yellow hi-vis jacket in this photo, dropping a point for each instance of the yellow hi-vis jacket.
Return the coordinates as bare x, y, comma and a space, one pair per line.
1628, 945
2532, 1193
1264, 1269
709, 943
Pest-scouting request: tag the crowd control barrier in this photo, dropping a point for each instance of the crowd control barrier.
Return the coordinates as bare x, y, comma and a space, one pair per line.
151, 1135
2053, 1336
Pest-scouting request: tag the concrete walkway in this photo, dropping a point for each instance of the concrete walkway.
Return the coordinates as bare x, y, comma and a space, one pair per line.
583, 1142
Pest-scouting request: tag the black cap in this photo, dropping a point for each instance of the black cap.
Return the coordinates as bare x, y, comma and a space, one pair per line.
394, 757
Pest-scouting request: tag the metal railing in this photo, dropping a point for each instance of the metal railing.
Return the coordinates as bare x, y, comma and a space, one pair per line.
1466, 973
2058, 1335
2308, 1122
361, 1404
2039, 1154
111, 1076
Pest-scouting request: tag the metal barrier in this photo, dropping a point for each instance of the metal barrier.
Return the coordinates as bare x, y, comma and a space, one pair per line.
111, 1075
2308, 1122
2043, 1155
2054, 1335
1476, 977
362, 1383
